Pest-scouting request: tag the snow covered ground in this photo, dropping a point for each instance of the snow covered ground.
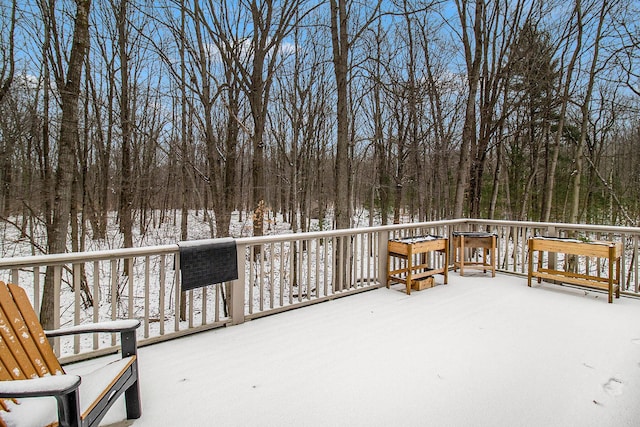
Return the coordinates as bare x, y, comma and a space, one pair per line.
476, 352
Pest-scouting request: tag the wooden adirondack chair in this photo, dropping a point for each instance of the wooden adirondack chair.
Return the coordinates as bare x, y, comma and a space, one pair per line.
30, 370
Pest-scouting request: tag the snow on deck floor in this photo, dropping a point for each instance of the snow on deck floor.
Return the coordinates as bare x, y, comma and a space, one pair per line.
476, 352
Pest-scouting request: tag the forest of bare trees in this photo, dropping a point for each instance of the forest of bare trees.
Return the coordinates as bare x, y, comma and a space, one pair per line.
140, 110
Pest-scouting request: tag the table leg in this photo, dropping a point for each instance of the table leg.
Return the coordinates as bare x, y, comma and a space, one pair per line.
410, 267
618, 277
446, 264
388, 268
540, 260
493, 256
611, 255
462, 255
530, 265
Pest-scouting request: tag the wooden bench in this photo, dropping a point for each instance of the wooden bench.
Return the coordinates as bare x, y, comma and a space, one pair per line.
30, 369
611, 251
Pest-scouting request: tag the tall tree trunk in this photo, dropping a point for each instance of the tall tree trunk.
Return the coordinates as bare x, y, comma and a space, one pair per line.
69, 87
340, 43
184, 147
8, 66
440, 198
126, 186
473, 56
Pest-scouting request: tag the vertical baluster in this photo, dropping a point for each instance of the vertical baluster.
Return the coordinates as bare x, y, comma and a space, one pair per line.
261, 278
308, 271
352, 261
350, 254
282, 278
96, 301
303, 273
299, 262
375, 257
204, 294
635, 263
216, 308
360, 263
36, 290
57, 278
162, 290
516, 246
191, 308
178, 295
147, 282
373, 245
624, 286
498, 232
317, 266
507, 237
325, 279
252, 257
366, 258
130, 283
291, 269
76, 304
523, 249
339, 258
272, 286
114, 295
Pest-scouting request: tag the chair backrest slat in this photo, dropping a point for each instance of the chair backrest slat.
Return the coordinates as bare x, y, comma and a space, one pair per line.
16, 358
24, 348
4, 372
35, 331
9, 362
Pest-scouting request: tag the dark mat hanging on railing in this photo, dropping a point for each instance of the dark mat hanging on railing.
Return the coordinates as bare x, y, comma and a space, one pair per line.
206, 262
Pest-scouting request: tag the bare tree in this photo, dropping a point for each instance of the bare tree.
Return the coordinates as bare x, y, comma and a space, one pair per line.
7, 71
585, 110
472, 44
68, 81
565, 82
342, 44
121, 11
8, 62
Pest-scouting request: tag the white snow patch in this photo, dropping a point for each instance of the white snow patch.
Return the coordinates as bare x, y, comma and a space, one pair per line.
476, 352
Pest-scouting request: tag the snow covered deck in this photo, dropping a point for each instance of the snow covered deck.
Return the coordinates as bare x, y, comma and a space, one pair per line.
476, 352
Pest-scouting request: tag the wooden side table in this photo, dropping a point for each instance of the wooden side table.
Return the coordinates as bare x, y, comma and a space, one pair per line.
474, 239
413, 251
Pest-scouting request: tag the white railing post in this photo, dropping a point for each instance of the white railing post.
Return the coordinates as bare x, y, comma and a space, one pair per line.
383, 239
236, 309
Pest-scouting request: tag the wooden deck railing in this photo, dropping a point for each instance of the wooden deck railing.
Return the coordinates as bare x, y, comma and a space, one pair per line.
276, 273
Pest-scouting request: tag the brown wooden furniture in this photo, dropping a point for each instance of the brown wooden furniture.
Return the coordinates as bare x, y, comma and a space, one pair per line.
610, 251
30, 369
412, 251
463, 240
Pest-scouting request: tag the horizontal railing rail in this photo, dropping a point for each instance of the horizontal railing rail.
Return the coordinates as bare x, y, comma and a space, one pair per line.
276, 273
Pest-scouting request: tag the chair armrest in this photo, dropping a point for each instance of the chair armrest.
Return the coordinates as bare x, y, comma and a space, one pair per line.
113, 326
54, 385
127, 329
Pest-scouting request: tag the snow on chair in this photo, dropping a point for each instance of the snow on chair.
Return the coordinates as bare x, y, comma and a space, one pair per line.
29, 370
